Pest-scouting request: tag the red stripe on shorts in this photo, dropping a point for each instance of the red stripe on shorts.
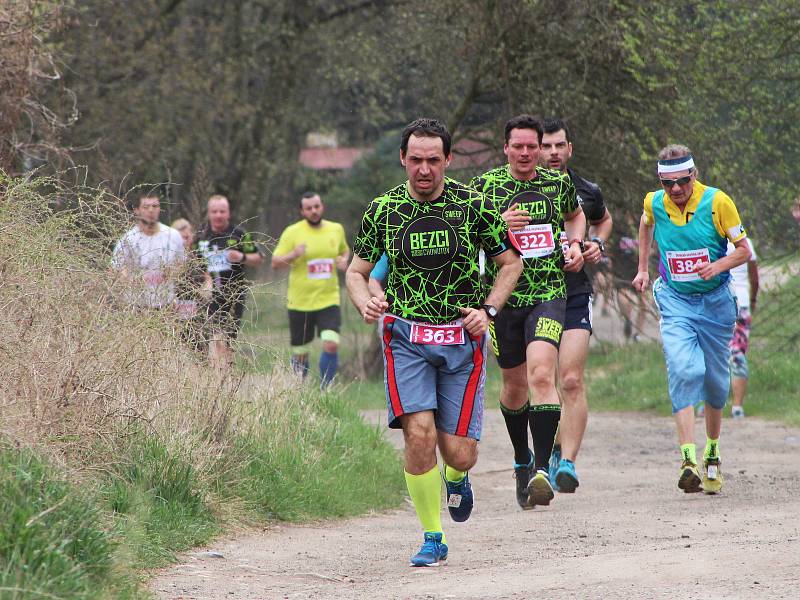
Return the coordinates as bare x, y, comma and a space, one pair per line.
468, 400
391, 378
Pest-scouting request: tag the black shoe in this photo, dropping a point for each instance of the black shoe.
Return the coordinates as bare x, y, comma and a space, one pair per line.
522, 473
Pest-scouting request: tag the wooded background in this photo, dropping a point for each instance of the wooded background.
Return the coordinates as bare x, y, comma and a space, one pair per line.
193, 97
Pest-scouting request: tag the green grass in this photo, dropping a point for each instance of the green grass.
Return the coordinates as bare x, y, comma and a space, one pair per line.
634, 377
621, 379
55, 540
627, 378
306, 456
159, 503
315, 463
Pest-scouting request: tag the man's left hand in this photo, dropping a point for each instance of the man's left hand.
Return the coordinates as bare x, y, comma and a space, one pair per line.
592, 253
341, 262
573, 260
475, 321
708, 270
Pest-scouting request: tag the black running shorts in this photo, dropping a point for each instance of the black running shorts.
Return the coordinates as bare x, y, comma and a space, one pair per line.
579, 312
302, 323
515, 328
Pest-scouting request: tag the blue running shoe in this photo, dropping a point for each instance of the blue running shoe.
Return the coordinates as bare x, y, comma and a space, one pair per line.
522, 473
555, 459
566, 477
432, 553
459, 499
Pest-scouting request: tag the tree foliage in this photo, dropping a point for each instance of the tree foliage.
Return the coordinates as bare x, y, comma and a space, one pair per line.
204, 96
30, 126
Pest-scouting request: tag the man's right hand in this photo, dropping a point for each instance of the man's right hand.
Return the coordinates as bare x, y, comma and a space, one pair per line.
374, 309
641, 281
516, 218
299, 250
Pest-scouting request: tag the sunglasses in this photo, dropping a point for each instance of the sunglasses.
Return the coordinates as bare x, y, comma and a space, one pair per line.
668, 183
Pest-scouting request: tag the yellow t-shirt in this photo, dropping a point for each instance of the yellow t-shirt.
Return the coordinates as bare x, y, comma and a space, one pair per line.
726, 218
313, 283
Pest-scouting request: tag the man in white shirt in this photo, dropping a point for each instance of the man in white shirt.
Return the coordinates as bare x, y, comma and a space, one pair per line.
148, 255
744, 284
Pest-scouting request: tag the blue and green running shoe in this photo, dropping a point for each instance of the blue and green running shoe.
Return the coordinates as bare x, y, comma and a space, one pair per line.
432, 553
459, 499
566, 477
555, 459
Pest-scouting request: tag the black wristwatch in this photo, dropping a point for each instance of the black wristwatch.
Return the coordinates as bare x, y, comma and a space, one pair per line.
599, 242
491, 311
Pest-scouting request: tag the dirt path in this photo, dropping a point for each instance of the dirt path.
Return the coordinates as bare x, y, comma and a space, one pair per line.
628, 532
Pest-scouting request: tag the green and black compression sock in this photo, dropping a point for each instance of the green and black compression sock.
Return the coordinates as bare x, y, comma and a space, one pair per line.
517, 425
544, 420
712, 449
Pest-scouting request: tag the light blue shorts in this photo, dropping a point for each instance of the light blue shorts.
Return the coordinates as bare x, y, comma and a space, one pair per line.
447, 379
695, 331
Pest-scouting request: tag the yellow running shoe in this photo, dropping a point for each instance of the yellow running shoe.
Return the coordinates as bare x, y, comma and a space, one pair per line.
689, 481
712, 480
539, 489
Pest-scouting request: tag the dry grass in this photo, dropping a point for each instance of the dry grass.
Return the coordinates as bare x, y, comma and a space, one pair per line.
81, 369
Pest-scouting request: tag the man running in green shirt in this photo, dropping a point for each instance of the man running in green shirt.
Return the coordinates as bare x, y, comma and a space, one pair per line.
435, 318
546, 223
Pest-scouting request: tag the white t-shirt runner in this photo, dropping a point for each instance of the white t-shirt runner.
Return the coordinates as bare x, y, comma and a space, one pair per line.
147, 258
740, 281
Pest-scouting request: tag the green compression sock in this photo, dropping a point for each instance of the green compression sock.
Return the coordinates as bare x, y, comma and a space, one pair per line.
689, 452
712, 449
452, 475
426, 495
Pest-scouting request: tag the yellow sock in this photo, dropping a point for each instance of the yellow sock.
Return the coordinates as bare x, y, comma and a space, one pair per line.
712, 449
452, 475
426, 495
689, 452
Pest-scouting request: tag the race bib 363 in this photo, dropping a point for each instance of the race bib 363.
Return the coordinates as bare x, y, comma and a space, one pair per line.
440, 335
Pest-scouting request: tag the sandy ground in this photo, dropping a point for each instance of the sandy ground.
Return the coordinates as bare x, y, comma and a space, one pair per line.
628, 532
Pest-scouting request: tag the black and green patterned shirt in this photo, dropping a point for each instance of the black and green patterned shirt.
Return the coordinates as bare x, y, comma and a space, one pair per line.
547, 198
432, 248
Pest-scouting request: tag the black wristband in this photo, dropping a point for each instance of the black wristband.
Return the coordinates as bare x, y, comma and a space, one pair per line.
600, 242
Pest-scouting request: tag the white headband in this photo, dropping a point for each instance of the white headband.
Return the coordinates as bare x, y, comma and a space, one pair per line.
674, 165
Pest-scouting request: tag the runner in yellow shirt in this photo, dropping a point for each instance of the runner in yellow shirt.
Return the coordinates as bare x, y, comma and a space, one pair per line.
313, 249
692, 224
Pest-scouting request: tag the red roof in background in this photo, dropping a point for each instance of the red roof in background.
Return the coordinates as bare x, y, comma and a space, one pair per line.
321, 159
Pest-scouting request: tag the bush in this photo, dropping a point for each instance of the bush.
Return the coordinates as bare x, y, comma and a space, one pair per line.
167, 451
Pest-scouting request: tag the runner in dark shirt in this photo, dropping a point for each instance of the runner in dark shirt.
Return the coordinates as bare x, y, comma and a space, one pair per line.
227, 250
556, 152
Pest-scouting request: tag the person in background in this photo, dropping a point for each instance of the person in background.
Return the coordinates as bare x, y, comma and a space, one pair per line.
148, 257
227, 250
573, 351
193, 289
313, 249
744, 282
